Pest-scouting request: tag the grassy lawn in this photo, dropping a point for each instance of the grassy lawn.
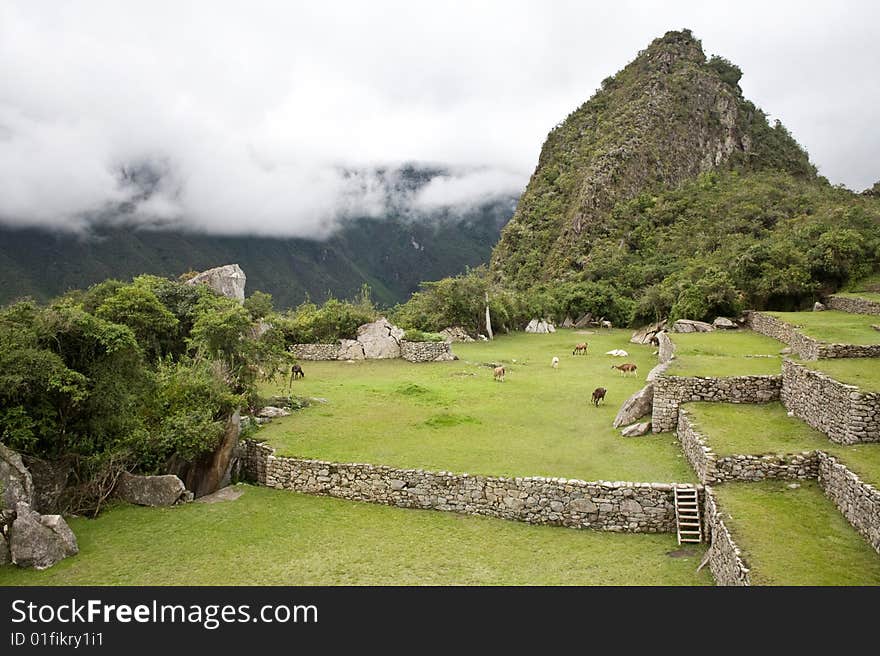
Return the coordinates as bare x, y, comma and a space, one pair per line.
725, 353
269, 537
758, 429
862, 372
795, 537
833, 327
452, 416
871, 296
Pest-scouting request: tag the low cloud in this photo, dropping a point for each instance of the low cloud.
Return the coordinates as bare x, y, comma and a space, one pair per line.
284, 118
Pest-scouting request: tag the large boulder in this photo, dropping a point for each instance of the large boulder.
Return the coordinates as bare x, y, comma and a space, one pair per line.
584, 321
540, 326
16, 484
39, 541
5, 556
647, 335
723, 323
636, 406
568, 322
228, 280
691, 326
50, 480
163, 490
818, 307
350, 349
456, 334
637, 429
380, 339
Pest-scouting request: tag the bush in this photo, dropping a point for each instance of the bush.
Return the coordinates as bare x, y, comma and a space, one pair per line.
413, 335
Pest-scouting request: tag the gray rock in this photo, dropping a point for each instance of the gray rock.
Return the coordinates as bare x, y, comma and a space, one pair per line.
636, 406
584, 321
723, 323
456, 334
583, 506
646, 335
16, 484
637, 429
568, 322
271, 412
228, 281
150, 490
50, 480
818, 307
350, 349
5, 556
380, 339
541, 326
691, 326
39, 541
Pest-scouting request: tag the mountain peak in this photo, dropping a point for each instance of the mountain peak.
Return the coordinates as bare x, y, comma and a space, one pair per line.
668, 116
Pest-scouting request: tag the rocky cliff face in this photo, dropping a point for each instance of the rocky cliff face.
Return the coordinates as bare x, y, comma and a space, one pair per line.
668, 116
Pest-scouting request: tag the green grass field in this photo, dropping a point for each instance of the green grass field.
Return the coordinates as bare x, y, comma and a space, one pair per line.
725, 353
833, 327
795, 536
269, 537
871, 296
452, 416
759, 429
861, 372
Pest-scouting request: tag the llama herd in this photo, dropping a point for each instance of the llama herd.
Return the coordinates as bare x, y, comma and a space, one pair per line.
580, 348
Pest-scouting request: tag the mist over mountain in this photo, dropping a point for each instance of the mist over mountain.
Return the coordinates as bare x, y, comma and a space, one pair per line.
414, 235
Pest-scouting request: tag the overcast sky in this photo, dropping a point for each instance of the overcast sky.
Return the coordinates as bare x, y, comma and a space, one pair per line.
252, 109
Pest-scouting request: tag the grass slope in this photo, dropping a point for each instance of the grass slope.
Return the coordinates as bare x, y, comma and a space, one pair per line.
725, 353
833, 326
758, 429
871, 296
861, 372
291, 539
452, 416
795, 536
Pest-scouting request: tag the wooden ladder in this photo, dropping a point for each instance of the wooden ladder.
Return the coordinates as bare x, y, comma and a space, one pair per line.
687, 515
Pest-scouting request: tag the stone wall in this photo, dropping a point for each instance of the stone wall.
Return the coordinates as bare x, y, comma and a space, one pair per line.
843, 412
671, 391
853, 305
411, 351
713, 469
666, 348
315, 351
805, 347
426, 351
607, 506
724, 557
858, 501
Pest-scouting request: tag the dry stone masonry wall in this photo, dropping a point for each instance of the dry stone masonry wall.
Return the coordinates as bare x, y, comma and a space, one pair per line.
843, 412
315, 351
858, 501
426, 351
352, 350
805, 347
713, 469
853, 305
607, 506
671, 391
724, 556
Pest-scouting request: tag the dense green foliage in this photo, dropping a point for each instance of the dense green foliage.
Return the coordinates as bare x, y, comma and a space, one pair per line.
327, 323
127, 375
